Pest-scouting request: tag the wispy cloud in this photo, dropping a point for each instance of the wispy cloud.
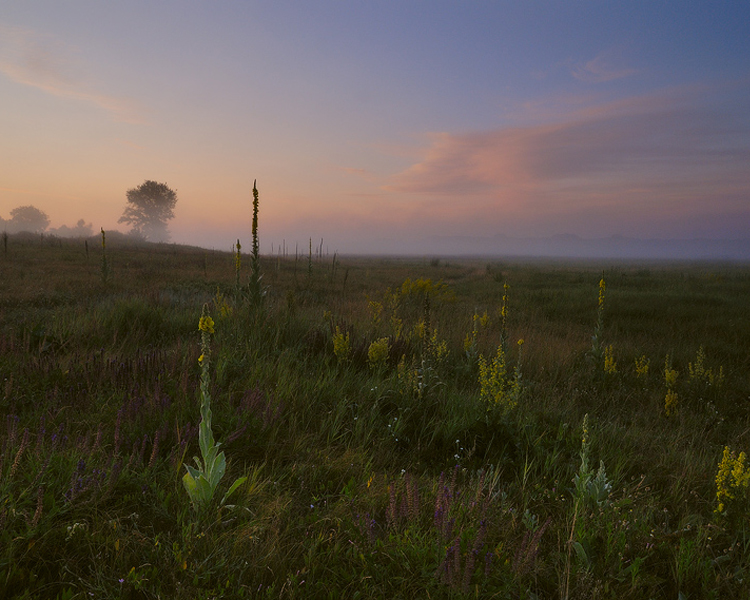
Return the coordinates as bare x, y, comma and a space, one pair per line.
45, 63
656, 155
604, 67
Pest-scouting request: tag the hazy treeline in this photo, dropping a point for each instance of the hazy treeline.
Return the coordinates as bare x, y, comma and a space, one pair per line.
31, 219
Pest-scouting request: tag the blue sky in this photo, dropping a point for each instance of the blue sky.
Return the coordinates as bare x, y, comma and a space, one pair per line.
381, 126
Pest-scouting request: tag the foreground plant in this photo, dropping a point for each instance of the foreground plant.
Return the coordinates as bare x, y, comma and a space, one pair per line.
497, 388
732, 478
201, 482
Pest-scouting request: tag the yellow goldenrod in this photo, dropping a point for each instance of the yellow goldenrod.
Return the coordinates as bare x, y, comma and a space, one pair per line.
670, 403
670, 375
699, 373
731, 477
641, 366
376, 311
377, 354
496, 387
342, 347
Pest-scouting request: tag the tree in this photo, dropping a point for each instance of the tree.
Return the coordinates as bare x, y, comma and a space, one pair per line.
27, 218
149, 208
82, 229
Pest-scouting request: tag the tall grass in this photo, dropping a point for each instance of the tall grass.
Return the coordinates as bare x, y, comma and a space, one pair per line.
375, 465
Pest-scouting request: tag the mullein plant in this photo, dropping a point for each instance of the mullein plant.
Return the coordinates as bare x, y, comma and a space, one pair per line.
590, 487
105, 265
471, 349
610, 365
256, 291
504, 319
499, 390
201, 482
597, 348
237, 268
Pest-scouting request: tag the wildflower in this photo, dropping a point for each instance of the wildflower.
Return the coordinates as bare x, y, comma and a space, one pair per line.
376, 310
342, 347
610, 366
732, 475
206, 324
495, 386
670, 403
641, 366
377, 353
670, 375
602, 288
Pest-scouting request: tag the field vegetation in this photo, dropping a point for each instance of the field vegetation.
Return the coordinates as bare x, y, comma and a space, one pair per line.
376, 427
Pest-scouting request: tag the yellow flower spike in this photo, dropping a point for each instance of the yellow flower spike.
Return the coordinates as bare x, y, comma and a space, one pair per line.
602, 288
731, 476
610, 365
670, 403
206, 324
641, 366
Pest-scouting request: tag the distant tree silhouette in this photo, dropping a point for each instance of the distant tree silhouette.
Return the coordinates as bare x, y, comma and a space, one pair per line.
81, 229
27, 218
150, 206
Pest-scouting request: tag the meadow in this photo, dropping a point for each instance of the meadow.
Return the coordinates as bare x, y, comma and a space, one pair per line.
438, 427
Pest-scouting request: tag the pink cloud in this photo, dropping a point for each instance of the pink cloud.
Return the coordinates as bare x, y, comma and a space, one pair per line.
605, 67
636, 162
46, 64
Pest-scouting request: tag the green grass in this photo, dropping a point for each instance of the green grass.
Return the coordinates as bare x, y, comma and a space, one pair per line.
359, 484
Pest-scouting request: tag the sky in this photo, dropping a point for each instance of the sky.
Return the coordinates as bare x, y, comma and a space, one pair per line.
382, 127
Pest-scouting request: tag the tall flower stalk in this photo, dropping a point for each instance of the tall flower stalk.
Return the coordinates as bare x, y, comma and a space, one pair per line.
256, 292
597, 346
201, 482
105, 265
237, 267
